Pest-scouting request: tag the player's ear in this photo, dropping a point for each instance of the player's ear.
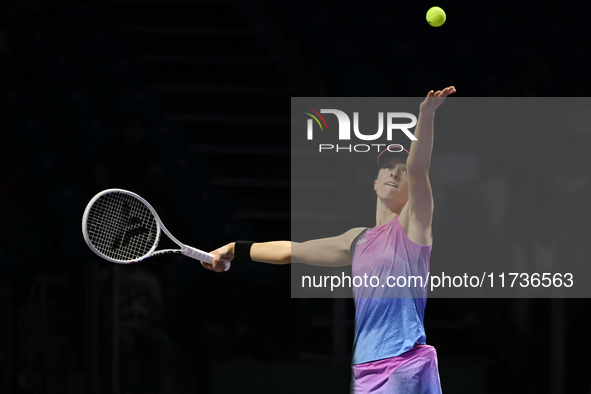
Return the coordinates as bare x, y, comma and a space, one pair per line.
375, 183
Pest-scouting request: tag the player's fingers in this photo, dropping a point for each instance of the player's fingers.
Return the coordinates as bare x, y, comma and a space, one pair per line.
215, 265
205, 265
450, 93
222, 266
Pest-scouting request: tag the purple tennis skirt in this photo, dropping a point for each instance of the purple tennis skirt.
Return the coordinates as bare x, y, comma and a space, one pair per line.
412, 372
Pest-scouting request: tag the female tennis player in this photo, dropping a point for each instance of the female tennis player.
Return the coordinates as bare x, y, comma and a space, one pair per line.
390, 355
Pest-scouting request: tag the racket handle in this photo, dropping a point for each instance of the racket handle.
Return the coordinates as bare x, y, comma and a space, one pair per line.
203, 256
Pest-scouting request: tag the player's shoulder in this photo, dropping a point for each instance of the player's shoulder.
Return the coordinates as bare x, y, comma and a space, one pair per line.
350, 235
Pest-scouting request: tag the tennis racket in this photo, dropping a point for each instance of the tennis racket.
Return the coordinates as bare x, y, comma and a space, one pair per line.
123, 228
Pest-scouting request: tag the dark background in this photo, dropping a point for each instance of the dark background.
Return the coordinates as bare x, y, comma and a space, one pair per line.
187, 104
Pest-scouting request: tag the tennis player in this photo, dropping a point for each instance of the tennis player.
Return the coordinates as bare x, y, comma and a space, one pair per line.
390, 354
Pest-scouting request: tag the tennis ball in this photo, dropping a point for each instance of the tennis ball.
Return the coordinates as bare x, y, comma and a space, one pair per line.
436, 16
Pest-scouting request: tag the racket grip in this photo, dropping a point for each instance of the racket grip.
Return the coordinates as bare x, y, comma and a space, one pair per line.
203, 256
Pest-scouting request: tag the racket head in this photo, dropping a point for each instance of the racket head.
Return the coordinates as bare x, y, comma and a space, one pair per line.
120, 226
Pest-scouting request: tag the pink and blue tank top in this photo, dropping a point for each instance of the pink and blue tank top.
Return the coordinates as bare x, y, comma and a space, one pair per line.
388, 320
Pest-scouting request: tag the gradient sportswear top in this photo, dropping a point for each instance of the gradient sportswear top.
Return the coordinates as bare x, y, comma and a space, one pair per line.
388, 319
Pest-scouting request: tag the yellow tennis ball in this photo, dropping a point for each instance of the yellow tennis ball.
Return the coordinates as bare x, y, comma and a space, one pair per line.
436, 16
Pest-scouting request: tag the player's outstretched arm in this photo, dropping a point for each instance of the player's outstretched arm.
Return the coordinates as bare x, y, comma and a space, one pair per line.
326, 252
419, 157
420, 197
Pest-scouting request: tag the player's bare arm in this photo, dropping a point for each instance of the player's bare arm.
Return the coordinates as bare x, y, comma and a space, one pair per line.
417, 219
326, 252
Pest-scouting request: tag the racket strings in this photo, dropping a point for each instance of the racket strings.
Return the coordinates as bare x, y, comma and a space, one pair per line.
121, 227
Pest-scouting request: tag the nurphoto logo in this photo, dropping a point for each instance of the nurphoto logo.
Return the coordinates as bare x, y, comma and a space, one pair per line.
344, 130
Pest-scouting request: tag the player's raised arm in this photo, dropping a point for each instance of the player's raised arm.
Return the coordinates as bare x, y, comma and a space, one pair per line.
326, 252
420, 197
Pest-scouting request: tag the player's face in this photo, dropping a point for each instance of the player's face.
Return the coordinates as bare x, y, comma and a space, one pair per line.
392, 182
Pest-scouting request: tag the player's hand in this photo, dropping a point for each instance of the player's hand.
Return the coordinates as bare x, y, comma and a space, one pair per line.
435, 99
225, 252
